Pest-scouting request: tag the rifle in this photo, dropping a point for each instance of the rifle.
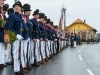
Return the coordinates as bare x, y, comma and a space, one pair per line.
28, 65
21, 68
12, 54
46, 52
42, 60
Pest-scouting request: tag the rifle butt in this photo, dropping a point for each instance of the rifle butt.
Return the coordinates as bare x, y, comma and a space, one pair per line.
42, 61
28, 66
21, 70
36, 64
46, 59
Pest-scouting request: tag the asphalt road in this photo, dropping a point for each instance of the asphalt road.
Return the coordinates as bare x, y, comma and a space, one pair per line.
83, 60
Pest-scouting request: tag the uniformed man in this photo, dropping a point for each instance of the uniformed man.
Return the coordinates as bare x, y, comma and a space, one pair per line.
1, 37
55, 28
26, 42
51, 41
27, 11
54, 39
46, 39
16, 24
75, 40
36, 36
9, 51
42, 36
4, 10
72, 40
49, 37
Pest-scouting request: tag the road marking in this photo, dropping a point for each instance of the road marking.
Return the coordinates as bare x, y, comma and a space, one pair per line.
90, 72
80, 57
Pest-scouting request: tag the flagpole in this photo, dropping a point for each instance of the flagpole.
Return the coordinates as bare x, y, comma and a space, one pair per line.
64, 18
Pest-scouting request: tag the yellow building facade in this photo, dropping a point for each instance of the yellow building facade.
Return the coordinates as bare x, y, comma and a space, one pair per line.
81, 28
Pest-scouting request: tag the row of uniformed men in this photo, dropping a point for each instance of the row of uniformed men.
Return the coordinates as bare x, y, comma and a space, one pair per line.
38, 39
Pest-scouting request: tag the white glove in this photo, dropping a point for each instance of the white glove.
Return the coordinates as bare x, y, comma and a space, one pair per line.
28, 39
19, 37
55, 39
38, 19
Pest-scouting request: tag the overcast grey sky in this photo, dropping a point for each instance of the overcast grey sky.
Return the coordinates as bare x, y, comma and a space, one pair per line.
83, 9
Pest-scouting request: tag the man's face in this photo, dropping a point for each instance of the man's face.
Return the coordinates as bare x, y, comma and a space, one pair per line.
1, 3
48, 24
36, 16
53, 27
28, 13
17, 8
3, 12
44, 22
41, 20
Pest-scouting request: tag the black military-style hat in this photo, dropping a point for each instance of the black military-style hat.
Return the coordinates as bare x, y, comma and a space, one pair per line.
10, 11
55, 27
51, 23
41, 15
5, 7
48, 21
45, 17
26, 7
36, 12
18, 3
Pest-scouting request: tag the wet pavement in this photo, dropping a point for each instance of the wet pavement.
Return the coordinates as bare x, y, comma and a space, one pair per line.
83, 60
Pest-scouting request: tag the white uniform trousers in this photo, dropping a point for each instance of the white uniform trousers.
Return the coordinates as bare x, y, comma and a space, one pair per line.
61, 44
16, 55
37, 52
38, 56
8, 55
29, 51
69, 42
32, 52
47, 49
43, 49
75, 44
54, 46
1, 53
25, 43
49, 46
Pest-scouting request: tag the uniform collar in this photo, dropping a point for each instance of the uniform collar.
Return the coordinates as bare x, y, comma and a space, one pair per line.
35, 19
17, 13
27, 17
